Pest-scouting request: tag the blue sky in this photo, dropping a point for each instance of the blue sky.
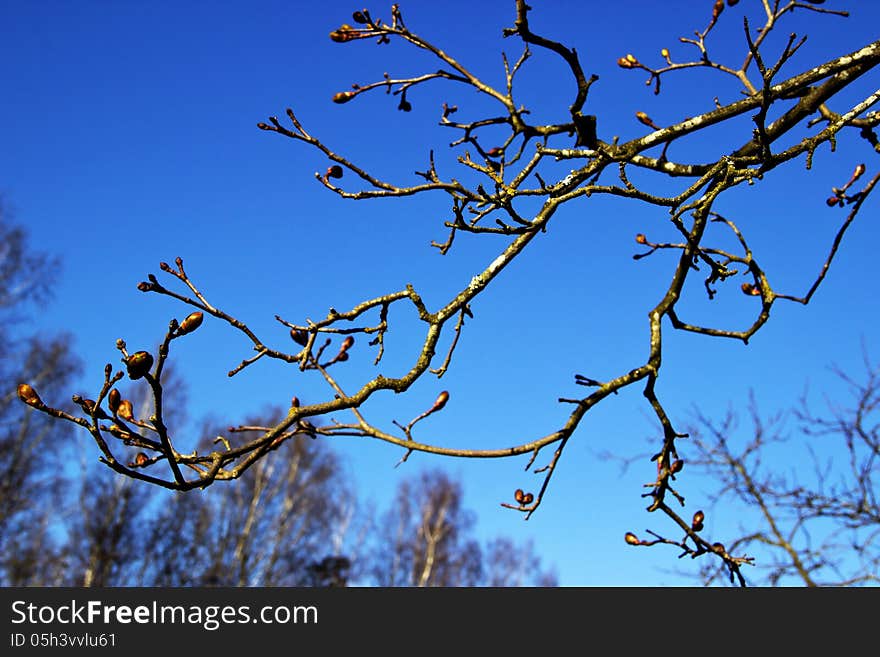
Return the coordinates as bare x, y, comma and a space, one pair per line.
129, 137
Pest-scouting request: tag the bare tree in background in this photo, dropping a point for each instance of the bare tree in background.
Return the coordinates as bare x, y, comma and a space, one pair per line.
809, 527
542, 166
426, 540
32, 450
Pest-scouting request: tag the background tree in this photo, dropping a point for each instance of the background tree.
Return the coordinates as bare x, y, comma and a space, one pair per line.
32, 449
815, 527
425, 539
507, 159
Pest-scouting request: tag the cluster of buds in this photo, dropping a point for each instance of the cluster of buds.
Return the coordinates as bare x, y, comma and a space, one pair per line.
839, 196
523, 499
343, 33
629, 61
347, 344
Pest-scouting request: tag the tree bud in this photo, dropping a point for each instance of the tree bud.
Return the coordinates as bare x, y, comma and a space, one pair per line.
528, 498
346, 344
641, 239
343, 97
141, 459
342, 34
113, 400
750, 289
717, 9
645, 119
860, 169
334, 171
138, 364
697, 521
676, 466
300, 337
518, 495
125, 410
664, 53
831, 201
632, 539
190, 323
359, 17
29, 396
441, 400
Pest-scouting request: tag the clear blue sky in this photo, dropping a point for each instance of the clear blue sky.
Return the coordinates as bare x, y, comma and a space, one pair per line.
129, 137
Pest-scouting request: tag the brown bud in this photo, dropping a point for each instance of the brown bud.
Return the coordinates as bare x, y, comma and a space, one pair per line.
645, 119
144, 286
141, 459
495, 151
359, 17
294, 403
697, 521
264, 126
300, 337
113, 400
717, 9
346, 344
528, 498
676, 466
751, 290
29, 396
138, 364
831, 201
125, 410
624, 62
441, 400
718, 548
518, 495
343, 97
119, 432
860, 169
631, 539
334, 171
342, 34
732, 3
190, 323
641, 239
404, 105
342, 356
